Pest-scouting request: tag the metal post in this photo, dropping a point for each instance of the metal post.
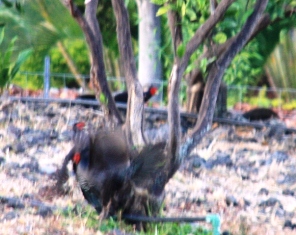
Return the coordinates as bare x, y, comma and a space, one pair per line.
27, 89
46, 77
64, 80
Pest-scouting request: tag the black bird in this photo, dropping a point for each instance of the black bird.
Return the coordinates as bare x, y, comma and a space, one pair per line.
95, 155
86, 97
113, 180
260, 114
123, 96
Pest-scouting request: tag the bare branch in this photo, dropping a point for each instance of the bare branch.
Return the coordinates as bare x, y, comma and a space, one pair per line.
135, 109
215, 77
91, 29
263, 23
177, 73
175, 25
204, 30
213, 5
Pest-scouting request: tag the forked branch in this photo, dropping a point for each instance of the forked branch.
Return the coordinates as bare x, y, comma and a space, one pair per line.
91, 29
135, 109
215, 76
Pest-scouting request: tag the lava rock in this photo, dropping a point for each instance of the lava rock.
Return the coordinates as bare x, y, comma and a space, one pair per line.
197, 161
18, 147
226, 233
269, 202
7, 148
44, 211
263, 191
29, 177
247, 202
14, 131
220, 160
287, 179
288, 192
231, 200
12, 202
276, 131
2, 161
35, 137
289, 224
279, 156
9, 216
33, 165
53, 135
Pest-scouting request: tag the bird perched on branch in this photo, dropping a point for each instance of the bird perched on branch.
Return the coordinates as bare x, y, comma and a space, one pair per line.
113, 180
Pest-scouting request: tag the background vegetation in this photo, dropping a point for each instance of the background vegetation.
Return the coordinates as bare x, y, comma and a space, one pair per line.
41, 25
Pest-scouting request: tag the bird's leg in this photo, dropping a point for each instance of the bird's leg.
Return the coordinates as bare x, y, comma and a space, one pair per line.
105, 212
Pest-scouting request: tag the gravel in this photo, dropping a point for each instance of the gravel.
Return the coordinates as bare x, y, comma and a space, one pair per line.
250, 184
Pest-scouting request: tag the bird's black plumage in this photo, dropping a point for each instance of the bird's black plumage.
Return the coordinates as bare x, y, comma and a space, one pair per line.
110, 177
260, 114
122, 97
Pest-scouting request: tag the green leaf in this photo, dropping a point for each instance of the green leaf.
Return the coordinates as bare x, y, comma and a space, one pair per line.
20, 60
103, 98
211, 60
8, 53
220, 38
181, 50
1, 36
3, 77
7, 3
159, 2
203, 64
162, 10
183, 9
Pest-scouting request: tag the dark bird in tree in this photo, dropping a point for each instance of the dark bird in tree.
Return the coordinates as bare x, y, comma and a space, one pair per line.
113, 180
258, 114
123, 96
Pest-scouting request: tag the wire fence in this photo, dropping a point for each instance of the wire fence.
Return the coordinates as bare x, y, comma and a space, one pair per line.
237, 96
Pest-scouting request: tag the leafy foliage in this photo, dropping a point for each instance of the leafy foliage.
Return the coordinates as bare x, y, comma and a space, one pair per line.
281, 65
9, 66
42, 23
247, 67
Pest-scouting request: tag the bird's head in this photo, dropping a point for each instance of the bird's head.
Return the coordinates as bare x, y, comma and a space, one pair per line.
76, 158
81, 140
78, 126
153, 90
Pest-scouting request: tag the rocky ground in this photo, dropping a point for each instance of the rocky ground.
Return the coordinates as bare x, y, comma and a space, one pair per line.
246, 176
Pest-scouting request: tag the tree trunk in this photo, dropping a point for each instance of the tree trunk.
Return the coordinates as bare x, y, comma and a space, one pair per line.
150, 67
91, 29
215, 76
135, 105
179, 67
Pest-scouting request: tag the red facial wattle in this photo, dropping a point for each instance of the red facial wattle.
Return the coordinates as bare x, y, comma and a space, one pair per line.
153, 90
80, 125
76, 158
